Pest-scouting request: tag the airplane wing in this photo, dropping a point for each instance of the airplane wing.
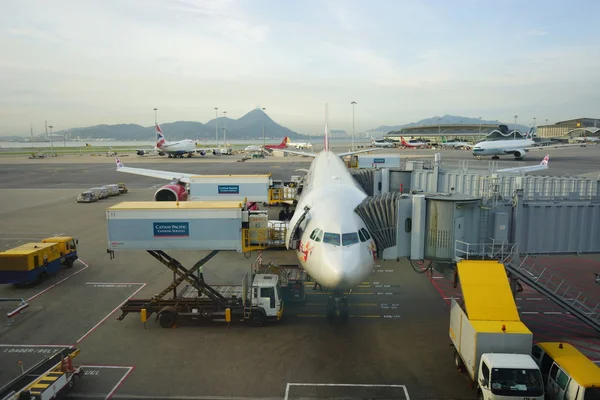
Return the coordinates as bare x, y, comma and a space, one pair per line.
556, 146
167, 175
298, 153
349, 153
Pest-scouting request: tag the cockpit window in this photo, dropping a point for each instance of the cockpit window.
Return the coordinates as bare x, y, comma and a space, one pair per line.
316, 235
331, 238
364, 235
349, 238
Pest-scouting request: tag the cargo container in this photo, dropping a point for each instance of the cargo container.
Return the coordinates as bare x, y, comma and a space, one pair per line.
190, 225
381, 161
67, 248
490, 341
254, 188
29, 263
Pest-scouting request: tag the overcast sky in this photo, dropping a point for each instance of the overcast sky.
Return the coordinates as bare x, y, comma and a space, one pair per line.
79, 63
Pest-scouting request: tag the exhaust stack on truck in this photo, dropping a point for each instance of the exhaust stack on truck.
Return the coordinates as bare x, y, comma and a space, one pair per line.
491, 342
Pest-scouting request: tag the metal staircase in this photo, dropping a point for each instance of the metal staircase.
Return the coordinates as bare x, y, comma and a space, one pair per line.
556, 288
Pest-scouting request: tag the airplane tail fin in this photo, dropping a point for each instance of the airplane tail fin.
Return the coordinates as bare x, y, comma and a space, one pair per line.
326, 128
529, 134
160, 138
545, 160
119, 163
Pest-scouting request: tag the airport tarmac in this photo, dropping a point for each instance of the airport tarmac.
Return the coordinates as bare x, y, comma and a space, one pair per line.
396, 340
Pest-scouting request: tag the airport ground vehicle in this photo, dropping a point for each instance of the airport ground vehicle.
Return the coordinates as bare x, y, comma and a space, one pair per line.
101, 192
122, 188
491, 343
32, 262
259, 299
87, 197
113, 190
52, 376
568, 374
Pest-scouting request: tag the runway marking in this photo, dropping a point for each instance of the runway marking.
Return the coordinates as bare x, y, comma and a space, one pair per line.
111, 313
349, 294
114, 284
350, 304
437, 277
289, 385
35, 346
120, 382
86, 266
349, 316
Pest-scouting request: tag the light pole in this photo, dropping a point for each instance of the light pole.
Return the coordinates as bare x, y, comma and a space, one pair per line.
51, 141
263, 129
225, 128
353, 132
155, 117
533, 127
479, 126
217, 125
515, 128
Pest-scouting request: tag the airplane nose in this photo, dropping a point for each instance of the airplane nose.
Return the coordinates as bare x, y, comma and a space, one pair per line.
345, 269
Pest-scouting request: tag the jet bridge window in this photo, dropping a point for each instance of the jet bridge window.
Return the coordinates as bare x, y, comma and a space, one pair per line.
331, 238
349, 238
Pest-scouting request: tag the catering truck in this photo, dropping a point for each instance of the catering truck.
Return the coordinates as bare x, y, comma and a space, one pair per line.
490, 341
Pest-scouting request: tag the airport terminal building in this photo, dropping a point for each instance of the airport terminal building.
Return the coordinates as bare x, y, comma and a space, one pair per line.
572, 128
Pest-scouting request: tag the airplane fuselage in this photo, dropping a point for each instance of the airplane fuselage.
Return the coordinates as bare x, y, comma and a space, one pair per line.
503, 147
180, 147
335, 246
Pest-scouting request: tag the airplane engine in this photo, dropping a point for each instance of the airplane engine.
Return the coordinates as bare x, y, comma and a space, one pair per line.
140, 152
215, 152
171, 192
161, 153
519, 154
202, 152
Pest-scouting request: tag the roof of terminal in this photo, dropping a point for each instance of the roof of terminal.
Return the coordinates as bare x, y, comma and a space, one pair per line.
232, 176
175, 205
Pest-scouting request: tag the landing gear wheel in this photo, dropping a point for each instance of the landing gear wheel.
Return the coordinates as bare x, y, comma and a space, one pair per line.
331, 309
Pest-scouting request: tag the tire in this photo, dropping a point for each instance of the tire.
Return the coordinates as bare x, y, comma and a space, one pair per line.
168, 318
257, 319
457, 360
71, 383
69, 262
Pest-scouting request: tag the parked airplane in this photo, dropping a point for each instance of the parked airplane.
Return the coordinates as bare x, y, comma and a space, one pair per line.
412, 143
332, 242
300, 145
455, 144
517, 147
174, 149
589, 139
284, 143
381, 143
530, 168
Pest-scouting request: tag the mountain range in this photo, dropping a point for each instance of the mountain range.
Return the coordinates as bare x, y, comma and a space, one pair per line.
450, 120
246, 127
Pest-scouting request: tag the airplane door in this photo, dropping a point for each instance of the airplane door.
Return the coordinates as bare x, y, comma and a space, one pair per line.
459, 229
294, 234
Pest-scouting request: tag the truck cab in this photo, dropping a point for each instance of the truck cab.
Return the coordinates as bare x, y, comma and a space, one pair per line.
67, 247
506, 376
266, 297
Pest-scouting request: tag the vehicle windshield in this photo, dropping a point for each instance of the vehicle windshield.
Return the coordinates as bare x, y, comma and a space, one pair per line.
331, 238
516, 382
592, 393
349, 238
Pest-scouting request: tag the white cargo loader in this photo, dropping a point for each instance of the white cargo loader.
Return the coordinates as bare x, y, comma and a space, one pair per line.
491, 343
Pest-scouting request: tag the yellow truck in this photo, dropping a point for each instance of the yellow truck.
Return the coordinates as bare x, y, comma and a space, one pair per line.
32, 262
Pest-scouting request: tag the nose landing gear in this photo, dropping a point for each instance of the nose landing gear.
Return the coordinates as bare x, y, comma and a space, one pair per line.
337, 307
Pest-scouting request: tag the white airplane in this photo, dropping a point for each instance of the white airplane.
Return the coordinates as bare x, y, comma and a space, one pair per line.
517, 147
300, 145
541, 166
590, 139
174, 149
455, 144
382, 143
332, 242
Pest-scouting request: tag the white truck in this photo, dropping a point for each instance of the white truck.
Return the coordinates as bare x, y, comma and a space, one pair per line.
497, 357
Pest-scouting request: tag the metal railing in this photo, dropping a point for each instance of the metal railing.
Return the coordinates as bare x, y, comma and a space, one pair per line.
263, 238
480, 251
18, 310
279, 195
558, 288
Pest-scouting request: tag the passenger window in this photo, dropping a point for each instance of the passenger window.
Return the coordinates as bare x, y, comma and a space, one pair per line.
536, 352
331, 238
485, 372
553, 371
349, 238
562, 380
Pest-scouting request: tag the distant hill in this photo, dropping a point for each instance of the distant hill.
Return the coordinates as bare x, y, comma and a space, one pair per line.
247, 127
448, 119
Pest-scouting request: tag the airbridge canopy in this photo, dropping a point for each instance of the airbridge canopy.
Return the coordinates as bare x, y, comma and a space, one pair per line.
486, 291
